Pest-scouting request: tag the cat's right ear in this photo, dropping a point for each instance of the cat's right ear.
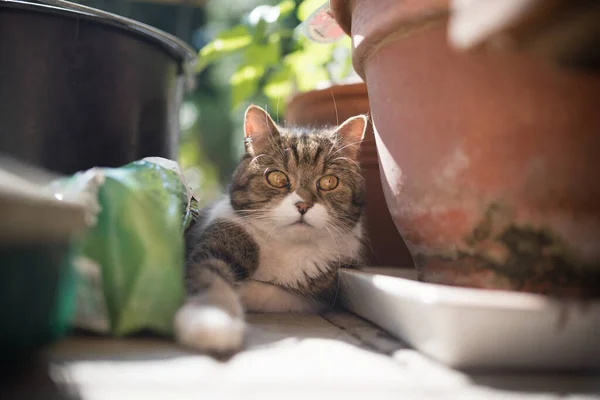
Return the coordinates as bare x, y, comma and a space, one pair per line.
259, 129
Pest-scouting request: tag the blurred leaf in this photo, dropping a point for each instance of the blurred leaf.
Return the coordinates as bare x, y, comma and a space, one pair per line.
286, 7
309, 63
189, 153
244, 83
308, 81
307, 7
260, 31
319, 53
280, 84
267, 55
282, 33
312, 53
226, 43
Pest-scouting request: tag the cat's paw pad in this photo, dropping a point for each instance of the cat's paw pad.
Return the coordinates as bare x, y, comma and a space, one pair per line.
209, 329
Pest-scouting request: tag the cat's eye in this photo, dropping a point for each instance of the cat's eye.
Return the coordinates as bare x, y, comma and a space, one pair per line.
328, 182
277, 179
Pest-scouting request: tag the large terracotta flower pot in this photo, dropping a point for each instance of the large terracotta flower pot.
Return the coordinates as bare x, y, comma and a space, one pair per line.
332, 106
490, 162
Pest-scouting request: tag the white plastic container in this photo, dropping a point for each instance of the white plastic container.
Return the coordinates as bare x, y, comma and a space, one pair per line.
474, 328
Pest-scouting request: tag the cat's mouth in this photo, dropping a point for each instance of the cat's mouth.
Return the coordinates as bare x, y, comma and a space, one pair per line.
301, 222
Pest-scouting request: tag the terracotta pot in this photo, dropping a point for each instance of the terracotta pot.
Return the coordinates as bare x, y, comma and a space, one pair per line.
332, 106
489, 161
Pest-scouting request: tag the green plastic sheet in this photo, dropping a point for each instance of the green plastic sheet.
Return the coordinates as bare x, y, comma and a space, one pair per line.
129, 262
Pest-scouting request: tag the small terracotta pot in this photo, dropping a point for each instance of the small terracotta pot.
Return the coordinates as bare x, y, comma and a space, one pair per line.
489, 161
332, 106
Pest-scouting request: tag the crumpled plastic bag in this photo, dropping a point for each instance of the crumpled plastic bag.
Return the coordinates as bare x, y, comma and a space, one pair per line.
129, 263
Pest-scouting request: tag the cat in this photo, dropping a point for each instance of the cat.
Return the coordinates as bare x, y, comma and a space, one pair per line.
292, 219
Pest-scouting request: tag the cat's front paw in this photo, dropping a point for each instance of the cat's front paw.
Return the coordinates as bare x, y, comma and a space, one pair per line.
209, 329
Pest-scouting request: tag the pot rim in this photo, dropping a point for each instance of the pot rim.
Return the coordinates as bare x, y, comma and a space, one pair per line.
340, 90
396, 24
176, 48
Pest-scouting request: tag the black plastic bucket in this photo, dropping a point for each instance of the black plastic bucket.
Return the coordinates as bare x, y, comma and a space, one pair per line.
80, 89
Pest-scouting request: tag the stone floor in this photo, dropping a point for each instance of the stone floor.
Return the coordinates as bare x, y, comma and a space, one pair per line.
338, 356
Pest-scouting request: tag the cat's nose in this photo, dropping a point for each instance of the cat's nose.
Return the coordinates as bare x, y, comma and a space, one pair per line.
303, 207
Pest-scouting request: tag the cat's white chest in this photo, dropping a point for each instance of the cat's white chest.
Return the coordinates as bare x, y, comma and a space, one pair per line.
291, 264
284, 264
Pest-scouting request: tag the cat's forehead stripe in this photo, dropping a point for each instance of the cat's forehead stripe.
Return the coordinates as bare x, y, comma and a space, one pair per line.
305, 148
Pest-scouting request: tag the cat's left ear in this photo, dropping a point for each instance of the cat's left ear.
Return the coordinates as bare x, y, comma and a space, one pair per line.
351, 133
259, 129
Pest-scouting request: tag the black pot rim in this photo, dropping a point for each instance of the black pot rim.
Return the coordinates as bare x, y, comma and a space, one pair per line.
175, 47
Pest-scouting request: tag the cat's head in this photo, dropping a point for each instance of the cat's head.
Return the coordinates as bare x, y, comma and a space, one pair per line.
297, 184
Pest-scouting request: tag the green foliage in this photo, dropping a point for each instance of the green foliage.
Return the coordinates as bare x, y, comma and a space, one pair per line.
226, 43
244, 82
275, 60
286, 7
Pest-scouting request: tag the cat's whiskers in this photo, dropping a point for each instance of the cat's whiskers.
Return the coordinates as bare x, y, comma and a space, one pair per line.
220, 227
259, 218
364, 239
252, 221
335, 242
346, 146
340, 232
346, 159
337, 289
343, 218
345, 169
251, 215
339, 258
334, 142
337, 117
255, 159
250, 210
275, 226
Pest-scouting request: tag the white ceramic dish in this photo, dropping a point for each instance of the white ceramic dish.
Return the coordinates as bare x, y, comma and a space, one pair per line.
474, 328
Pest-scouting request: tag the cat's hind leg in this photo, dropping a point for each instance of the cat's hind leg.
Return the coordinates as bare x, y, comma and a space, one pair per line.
212, 318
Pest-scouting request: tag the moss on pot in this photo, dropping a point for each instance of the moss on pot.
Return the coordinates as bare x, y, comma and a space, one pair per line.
523, 258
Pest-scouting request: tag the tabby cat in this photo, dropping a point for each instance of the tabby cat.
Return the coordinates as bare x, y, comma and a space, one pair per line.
293, 217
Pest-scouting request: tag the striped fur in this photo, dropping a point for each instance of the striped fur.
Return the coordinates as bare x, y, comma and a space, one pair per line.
256, 245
